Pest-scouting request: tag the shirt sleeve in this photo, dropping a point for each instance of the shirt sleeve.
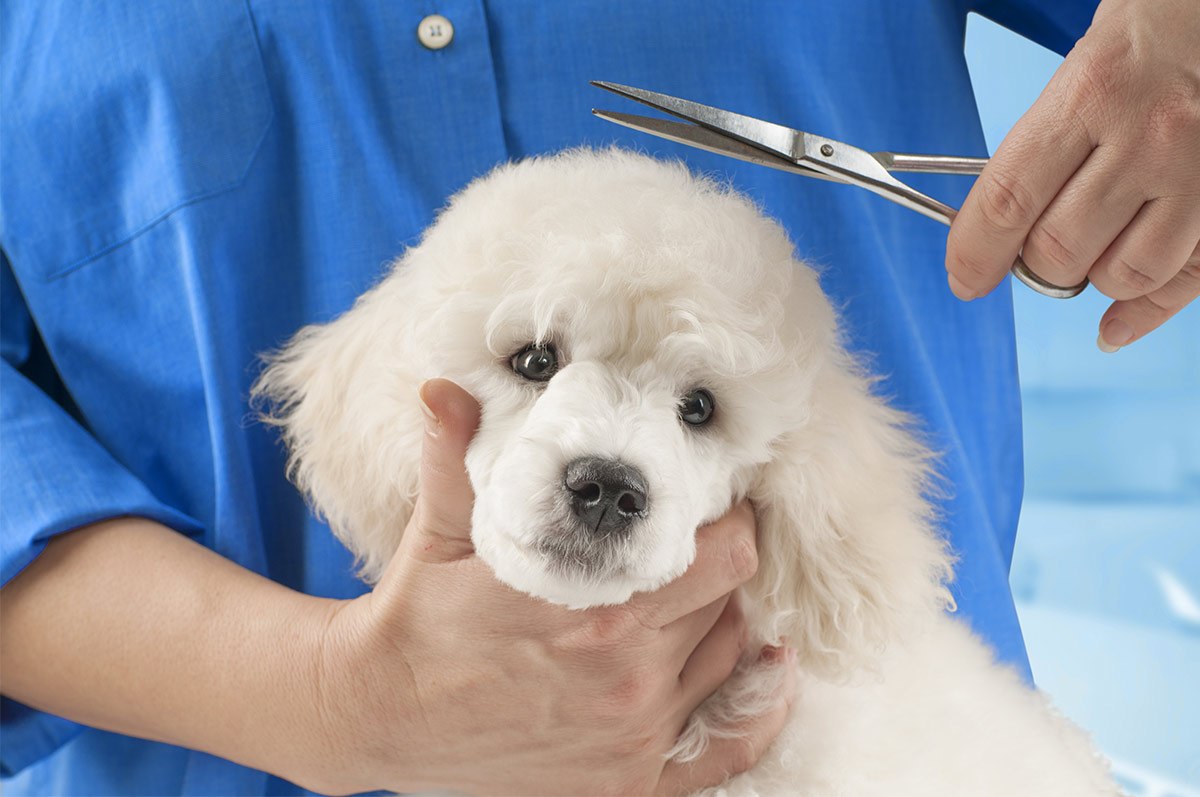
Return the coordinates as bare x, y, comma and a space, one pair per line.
1056, 25
54, 477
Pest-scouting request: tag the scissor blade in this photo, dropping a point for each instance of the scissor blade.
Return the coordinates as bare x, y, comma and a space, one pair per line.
708, 140
802, 153
776, 139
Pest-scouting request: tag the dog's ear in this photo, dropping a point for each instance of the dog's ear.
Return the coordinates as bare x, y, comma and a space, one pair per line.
351, 419
847, 554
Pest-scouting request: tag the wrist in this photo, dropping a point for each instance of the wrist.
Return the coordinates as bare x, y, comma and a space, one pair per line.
324, 752
363, 703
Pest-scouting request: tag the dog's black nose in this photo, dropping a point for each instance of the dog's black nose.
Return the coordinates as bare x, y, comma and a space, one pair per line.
605, 494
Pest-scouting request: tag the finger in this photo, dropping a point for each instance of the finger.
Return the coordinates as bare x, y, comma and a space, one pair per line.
1150, 251
1033, 162
1085, 217
712, 660
726, 558
442, 517
1126, 321
738, 752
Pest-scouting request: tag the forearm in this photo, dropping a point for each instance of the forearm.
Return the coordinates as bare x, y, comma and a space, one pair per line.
128, 626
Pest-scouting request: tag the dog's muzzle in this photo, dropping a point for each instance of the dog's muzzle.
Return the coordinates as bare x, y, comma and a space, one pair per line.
606, 495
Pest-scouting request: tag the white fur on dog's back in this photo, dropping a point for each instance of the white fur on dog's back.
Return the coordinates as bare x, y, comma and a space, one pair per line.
941, 718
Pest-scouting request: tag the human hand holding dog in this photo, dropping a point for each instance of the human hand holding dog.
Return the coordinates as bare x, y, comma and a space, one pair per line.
445, 677
1099, 179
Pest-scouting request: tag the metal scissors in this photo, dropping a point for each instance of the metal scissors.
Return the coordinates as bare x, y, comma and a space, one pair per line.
779, 147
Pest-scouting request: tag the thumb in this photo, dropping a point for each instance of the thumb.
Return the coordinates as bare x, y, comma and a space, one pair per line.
440, 530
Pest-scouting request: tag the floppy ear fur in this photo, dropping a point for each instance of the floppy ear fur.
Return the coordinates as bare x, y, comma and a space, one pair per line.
351, 419
848, 557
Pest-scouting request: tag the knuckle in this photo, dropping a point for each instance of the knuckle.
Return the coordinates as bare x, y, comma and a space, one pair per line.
743, 754
1105, 69
1051, 250
642, 753
1007, 204
1174, 115
641, 744
632, 692
1184, 289
1130, 280
608, 629
975, 270
743, 560
640, 617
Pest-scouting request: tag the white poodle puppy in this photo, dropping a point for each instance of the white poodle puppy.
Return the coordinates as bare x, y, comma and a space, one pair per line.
647, 350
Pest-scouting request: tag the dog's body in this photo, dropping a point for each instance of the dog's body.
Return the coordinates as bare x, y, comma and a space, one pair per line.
646, 351
939, 718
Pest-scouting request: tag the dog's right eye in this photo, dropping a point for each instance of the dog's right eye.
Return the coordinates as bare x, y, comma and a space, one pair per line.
536, 363
696, 408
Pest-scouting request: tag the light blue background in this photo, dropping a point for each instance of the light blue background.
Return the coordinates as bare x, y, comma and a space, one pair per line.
1107, 566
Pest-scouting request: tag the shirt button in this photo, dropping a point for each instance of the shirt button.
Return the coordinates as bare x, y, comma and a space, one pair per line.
435, 32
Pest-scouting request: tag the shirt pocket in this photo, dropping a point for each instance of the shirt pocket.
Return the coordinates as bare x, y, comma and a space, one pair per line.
115, 116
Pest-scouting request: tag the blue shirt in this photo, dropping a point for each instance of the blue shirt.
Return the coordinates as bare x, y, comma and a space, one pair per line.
186, 184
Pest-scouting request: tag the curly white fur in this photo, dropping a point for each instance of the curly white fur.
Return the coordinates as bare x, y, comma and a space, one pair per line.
650, 282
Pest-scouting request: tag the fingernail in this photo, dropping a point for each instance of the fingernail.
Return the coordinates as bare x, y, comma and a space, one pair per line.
958, 289
433, 424
1115, 334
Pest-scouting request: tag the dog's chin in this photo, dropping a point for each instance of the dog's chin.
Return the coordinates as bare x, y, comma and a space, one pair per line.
577, 577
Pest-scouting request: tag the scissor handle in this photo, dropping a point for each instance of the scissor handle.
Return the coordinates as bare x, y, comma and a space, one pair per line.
1023, 272
930, 164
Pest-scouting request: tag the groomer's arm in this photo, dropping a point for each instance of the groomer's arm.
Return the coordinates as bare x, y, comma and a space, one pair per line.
440, 677
1101, 178
131, 627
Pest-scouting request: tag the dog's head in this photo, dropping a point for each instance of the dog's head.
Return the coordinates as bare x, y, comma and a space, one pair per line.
646, 350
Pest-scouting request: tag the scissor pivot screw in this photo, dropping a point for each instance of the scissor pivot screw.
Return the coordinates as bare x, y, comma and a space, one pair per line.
826, 150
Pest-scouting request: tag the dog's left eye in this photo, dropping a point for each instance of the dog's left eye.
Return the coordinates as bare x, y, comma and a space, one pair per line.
537, 363
697, 407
